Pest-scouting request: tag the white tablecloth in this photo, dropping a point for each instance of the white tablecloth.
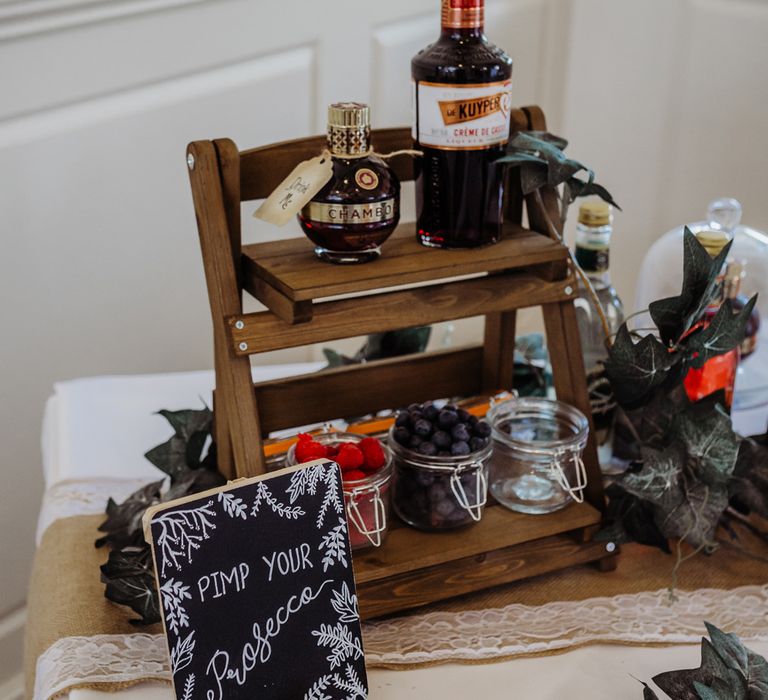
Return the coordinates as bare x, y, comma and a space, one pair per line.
100, 428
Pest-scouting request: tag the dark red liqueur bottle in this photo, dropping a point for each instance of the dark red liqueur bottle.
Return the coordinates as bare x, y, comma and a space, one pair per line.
462, 105
359, 207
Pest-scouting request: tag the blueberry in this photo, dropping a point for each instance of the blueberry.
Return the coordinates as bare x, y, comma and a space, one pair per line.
414, 442
422, 428
447, 419
477, 443
437, 492
413, 416
460, 449
482, 429
424, 478
472, 421
430, 413
402, 435
427, 448
444, 453
403, 420
459, 433
464, 416
414, 407
445, 507
441, 440
450, 407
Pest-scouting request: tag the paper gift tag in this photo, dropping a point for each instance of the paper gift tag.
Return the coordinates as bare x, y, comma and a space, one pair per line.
290, 196
257, 590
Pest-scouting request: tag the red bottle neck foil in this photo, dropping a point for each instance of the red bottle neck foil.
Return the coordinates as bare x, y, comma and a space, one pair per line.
463, 14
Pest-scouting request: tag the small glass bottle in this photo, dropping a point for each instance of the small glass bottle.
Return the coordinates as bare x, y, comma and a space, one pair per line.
719, 372
593, 241
359, 208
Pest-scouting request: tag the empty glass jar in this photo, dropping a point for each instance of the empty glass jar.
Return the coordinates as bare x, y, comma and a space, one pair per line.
536, 465
439, 493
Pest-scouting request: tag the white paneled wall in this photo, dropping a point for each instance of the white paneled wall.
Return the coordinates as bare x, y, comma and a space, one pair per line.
100, 269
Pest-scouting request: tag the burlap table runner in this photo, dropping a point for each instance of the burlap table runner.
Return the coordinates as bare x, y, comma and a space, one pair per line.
551, 613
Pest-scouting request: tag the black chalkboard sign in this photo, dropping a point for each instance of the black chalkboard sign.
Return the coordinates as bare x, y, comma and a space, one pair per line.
257, 589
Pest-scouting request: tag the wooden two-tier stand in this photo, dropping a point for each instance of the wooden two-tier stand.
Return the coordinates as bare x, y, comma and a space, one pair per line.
527, 268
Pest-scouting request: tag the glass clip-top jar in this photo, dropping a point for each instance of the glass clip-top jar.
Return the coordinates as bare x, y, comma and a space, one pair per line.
537, 464
366, 500
439, 493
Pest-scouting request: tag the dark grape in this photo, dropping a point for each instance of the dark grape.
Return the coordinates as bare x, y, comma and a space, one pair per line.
441, 440
403, 420
430, 413
460, 433
414, 442
402, 435
447, 419
482, 429
477, 443
460, 449
428, 449
422, 428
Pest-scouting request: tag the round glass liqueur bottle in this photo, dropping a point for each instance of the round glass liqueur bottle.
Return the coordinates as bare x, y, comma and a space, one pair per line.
359, 207
661, 276
461, 105
593, 241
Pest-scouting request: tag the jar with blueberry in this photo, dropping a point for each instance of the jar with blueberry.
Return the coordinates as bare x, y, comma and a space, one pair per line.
441, 466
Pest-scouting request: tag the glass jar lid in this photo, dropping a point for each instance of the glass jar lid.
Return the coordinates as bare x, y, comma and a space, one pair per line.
539, 426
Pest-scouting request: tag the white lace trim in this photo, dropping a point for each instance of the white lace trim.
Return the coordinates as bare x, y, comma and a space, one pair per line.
105, 658
67, 499
481, 635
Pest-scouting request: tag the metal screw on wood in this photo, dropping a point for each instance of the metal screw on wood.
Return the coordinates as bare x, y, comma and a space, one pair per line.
239, 325
569, 289
610, 547
243, 346
190, 161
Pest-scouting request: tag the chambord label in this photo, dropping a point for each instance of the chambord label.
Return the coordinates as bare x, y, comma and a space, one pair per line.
370, 213
462, 117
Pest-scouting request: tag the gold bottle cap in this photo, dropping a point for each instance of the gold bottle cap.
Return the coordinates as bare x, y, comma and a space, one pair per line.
713, 241
597, 213
349, 128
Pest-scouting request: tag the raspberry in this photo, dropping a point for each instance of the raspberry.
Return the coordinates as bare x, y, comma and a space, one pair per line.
373, 454
353, 475
308, 449
349, 457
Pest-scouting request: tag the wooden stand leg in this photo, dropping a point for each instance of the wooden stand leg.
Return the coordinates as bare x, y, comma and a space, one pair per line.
570, 381
234, 384
499, 351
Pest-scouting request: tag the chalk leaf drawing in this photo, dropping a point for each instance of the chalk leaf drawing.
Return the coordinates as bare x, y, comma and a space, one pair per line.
345, 604
342, 643
174, 593
234, 507
181, 654
264, 495
181, 532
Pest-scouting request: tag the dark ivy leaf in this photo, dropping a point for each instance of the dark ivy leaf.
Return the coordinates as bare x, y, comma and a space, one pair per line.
130, 580
653, 420
406, 341
184, 449
711, 444
635, 369
575, 187
631, 519
724, 332
123, 523
648, 693
748, 488
336, 359
751, 668
675, 316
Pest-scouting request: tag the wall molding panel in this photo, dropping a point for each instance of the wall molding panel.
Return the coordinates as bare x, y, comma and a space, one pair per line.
30, 17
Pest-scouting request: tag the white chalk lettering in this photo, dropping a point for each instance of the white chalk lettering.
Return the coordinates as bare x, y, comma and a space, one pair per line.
294, 560
223, 582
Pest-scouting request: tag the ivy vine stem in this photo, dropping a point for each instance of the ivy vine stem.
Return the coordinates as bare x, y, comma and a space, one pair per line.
555, 235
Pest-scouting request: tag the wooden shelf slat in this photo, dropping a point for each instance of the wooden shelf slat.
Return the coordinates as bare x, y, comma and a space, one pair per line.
407, 549
345, 318
365, 388
291, 267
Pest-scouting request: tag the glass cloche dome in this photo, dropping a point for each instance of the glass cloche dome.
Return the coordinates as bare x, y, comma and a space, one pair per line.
661, 276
